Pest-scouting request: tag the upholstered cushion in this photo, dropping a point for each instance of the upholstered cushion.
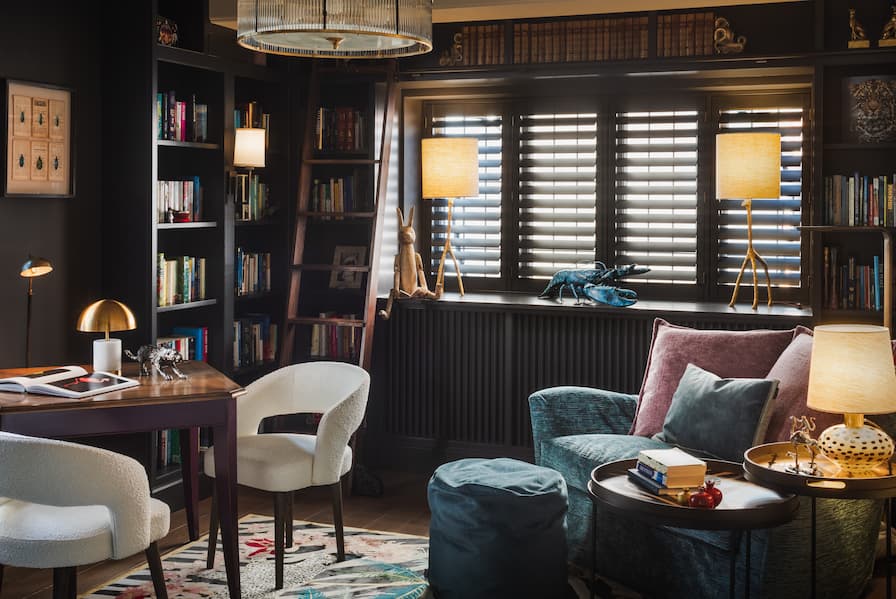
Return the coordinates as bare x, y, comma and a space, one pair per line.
728, 354
34, 535
276, 462
723, 417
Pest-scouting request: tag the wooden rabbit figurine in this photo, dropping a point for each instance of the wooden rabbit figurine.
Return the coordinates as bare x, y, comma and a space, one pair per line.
410, 278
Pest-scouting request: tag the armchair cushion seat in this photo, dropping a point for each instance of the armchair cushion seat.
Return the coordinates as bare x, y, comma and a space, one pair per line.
35, 535
276, 462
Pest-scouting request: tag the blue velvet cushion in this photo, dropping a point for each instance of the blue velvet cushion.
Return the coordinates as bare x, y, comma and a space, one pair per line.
498, 529
718, 417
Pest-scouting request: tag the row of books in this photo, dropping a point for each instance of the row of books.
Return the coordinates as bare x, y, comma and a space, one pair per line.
249, 114
859, 200
615, 38
334, 195
253, 272
483, 44
180, 120
340, 129
667, 471
685, 34
168, 447
852, 286
335, 341
180, 279
179, 201
189, 342
250, 196
255, 340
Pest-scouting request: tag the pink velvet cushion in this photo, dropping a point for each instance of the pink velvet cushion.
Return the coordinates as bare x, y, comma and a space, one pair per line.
727, 354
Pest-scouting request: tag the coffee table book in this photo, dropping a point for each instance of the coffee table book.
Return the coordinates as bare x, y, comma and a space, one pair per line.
66, 381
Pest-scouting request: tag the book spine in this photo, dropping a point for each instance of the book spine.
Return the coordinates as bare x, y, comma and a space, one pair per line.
651, 473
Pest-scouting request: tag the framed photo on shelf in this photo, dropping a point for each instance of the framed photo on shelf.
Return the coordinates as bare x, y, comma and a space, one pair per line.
347, 255
38, 140
870, 104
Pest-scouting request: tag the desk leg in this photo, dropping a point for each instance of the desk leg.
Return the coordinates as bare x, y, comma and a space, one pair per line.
813, 550
888, 505
225, 486
189, 468
593, 547
749, 534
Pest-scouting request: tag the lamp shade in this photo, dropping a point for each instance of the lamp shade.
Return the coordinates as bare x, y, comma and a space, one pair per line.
106, 315
851, 370
35, 267
248, 147
748, 166
336, 28
450, 167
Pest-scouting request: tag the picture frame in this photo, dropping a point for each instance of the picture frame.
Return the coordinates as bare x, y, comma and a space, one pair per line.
38, 148
347, 255
869, 104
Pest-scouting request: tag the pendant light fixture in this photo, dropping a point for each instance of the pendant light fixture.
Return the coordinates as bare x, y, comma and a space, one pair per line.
336, 28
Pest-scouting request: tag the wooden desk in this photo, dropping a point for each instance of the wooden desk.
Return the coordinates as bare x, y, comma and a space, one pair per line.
206, 398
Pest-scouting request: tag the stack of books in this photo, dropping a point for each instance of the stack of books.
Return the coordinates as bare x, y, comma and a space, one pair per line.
667, 471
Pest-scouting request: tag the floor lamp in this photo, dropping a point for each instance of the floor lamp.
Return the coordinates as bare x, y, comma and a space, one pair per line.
33, 267
748, 167
450, 170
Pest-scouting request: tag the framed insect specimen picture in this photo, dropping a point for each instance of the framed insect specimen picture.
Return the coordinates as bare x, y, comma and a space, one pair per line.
38, 140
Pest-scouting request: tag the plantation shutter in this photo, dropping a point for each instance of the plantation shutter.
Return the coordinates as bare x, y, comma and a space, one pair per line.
656, 194
557, 192
776, 236
476, 222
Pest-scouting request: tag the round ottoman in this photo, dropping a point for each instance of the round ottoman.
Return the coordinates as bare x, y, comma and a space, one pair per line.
498, 529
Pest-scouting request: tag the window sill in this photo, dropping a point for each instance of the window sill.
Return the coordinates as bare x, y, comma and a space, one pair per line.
525, 302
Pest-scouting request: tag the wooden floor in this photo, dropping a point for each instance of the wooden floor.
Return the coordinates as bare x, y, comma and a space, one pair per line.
402, 508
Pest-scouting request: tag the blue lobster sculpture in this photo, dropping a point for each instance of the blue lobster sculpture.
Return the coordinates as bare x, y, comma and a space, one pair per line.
599, 284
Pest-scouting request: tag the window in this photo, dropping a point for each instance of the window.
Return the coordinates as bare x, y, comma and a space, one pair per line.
557, 192
776, 236
656, 194
476, 222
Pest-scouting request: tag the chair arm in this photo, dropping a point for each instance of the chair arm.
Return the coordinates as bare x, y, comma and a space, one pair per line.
562, 411
68, 474
334, 431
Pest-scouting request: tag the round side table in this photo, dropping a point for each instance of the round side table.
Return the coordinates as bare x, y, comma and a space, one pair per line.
768, 465
745, 506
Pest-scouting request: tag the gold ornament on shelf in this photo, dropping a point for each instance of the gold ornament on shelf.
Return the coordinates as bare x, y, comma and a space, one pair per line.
455, 54
857, 36
724, 40
888, 35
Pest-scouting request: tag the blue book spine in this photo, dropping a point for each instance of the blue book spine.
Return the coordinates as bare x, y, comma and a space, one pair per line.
651, 473
877, 283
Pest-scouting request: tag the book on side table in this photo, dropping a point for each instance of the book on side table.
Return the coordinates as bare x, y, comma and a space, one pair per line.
67, 381
668, 471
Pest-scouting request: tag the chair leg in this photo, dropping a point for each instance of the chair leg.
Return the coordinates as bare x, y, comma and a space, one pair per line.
212, 532
155, 568
1, 578
65, 583
337, 520
279, 534
287, 520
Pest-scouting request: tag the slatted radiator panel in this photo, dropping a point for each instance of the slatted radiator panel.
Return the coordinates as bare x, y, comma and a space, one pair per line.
463, 376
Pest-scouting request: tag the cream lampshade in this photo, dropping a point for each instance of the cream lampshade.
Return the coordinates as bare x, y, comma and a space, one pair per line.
104, 316
748, 167
450, 169
851, 373
248, 147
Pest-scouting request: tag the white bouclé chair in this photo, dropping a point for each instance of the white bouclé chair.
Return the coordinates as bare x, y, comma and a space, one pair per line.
64, 505
285, 462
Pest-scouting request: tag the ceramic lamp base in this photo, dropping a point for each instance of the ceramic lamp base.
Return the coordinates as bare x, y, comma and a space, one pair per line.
107, 355
856, 449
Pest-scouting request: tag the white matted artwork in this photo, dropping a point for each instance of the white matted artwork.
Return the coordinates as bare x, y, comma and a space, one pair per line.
38, 140
347, 255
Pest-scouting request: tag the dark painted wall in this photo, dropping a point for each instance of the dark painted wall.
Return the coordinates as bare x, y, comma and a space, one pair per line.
57, 42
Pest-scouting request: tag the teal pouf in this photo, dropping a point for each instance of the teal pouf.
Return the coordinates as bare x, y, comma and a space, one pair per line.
498, 529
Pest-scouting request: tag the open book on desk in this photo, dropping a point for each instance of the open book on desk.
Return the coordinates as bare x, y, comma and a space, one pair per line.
66, 381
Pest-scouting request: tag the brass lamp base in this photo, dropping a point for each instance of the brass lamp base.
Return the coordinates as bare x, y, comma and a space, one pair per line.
752, 257
447, 250
856, 446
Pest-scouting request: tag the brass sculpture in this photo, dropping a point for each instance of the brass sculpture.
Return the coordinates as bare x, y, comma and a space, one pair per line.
724, 40
888, 35
455, 54
409, 276
799, 435
857, 36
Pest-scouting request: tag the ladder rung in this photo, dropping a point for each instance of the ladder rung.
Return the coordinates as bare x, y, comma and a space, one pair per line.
343, 322
330, 267
342, 161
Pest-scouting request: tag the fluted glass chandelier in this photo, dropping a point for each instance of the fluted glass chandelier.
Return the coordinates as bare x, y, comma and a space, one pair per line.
336, 28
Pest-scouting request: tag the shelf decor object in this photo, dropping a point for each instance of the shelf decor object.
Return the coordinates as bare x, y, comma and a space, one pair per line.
851, 373
104, 316
748, 167
450, 170
33, 267
315, 29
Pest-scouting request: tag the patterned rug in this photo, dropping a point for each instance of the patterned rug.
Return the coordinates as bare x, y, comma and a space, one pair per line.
378, 564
